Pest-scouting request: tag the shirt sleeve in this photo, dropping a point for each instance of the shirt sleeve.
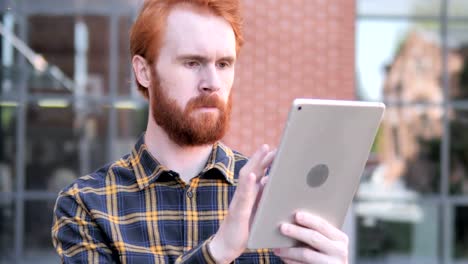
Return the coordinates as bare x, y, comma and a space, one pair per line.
199, 254
76, 237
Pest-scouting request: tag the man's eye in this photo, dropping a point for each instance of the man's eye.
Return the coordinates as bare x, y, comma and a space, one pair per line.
192, 64
223, 64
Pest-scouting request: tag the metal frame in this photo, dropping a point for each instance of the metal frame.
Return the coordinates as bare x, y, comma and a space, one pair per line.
20, 152
447, 223
113, 80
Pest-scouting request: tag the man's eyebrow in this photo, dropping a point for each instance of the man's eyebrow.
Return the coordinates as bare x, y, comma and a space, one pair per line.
203, 59
229, 59
192, 57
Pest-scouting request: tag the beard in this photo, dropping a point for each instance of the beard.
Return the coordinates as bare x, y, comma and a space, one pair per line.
189, 126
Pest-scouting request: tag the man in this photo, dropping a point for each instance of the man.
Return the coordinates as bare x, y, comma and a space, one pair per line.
181, 195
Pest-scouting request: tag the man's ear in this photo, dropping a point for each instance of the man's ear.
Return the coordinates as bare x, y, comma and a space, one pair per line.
142, 70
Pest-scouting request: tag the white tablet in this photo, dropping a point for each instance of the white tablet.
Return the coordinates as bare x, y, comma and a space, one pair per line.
322, 154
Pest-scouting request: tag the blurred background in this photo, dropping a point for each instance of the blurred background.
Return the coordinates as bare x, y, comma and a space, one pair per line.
68, 105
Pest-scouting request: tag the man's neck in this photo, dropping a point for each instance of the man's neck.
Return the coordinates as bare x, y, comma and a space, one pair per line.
188, 162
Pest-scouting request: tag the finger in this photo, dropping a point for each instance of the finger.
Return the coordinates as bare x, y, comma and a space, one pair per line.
320, 225
301, 255
255, 161
264, 181
268, 159
258, 155
261, 167
314, 239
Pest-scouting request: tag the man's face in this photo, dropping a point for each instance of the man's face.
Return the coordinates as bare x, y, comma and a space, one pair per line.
193, 76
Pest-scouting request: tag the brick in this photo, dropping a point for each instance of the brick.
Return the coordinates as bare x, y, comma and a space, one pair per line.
296, 48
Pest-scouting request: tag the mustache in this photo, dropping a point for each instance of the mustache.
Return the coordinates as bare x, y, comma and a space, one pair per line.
201, 101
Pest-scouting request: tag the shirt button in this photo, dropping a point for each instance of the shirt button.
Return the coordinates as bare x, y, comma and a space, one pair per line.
189, 194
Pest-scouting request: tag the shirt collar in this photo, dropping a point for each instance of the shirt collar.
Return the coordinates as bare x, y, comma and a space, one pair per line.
147, 169
222, 158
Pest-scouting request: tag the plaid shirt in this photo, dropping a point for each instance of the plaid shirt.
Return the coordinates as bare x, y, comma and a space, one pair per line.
137, 211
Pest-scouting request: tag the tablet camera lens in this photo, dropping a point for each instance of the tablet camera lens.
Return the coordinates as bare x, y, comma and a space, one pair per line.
299, 108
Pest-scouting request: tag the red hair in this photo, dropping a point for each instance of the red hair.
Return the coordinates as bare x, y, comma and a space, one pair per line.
148, 30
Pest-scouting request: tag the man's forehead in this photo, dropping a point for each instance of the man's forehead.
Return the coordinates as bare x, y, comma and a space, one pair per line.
191, 29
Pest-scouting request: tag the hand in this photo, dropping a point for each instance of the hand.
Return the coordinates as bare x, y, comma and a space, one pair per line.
231, 238
322, 242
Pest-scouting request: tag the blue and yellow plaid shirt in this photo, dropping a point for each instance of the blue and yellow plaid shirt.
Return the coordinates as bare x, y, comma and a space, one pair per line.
137, 211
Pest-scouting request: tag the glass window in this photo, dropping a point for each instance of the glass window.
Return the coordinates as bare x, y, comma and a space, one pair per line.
63, 141
37, 240
94, 142
126, 82
6, 230
98, 54
10, 74
406, 157
399, 7
51, 145
458, 60
53, 38
399, 61
458, 8
8, 135
132, 120
459, 152
76, 49
461, 233
397, 231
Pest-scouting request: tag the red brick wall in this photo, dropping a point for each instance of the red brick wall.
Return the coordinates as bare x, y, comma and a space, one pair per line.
294, 48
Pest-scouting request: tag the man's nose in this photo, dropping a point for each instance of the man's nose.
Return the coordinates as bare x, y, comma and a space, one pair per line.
211, 82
